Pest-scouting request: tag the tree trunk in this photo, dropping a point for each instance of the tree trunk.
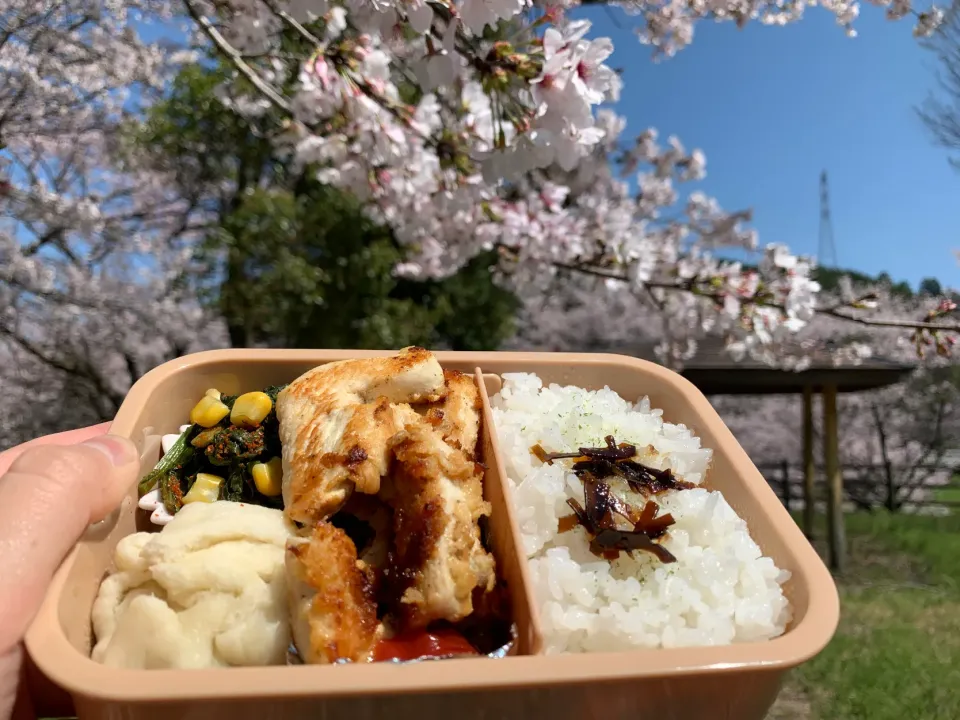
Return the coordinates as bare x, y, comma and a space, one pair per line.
891, 487
889, 482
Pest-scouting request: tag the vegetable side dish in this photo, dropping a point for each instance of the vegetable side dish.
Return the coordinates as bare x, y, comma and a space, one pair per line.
230, 451
371, 467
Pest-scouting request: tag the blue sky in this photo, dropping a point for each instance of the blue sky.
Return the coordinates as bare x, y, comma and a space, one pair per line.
772, 107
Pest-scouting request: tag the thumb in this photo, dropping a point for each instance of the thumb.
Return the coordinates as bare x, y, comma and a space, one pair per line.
47, 498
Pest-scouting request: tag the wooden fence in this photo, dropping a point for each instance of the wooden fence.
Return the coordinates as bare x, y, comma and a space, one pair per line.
787, 481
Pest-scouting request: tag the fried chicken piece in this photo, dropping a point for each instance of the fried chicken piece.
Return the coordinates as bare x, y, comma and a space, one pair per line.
333, 611
335, 424
438, 559
457, 416
375, 528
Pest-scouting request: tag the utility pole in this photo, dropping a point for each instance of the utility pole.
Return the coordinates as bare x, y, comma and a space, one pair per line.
827, 253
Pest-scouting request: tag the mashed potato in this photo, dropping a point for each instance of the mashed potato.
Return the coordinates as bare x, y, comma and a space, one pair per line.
207, 591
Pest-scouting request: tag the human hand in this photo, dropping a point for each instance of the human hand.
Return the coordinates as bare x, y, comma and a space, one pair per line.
51, 489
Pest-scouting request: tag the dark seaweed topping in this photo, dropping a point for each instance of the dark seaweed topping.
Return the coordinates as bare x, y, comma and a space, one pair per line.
651, 525
611, 452
611, 539
616, 460
641, 478
600, 505
567, 523
596, 496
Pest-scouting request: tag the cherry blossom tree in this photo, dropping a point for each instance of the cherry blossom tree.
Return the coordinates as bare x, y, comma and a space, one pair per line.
477, 125
941, 112
91, 246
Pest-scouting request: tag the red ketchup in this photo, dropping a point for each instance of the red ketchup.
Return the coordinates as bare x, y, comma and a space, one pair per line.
424, 644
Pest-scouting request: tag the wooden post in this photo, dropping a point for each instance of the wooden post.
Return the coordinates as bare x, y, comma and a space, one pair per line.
831, 457
785, 479
809, 469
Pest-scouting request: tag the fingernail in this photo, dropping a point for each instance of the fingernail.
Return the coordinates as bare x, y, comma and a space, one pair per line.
120, 450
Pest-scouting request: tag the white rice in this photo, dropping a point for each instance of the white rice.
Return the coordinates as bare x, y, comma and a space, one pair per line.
721, 589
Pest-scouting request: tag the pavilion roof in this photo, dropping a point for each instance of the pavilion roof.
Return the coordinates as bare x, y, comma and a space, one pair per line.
715, 372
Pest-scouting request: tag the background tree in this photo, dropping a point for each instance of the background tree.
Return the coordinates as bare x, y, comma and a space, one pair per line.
941, 111
90, 243
291, 262
830, 280
930, 286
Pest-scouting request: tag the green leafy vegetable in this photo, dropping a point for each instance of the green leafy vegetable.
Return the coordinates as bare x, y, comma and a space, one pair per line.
179, 455
171, 492
234, 443
233, 488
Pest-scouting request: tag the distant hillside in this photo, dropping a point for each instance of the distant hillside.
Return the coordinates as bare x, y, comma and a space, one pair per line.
829, 279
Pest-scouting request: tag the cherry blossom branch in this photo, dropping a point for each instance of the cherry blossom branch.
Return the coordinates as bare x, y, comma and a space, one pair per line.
235, 57
832, 311
292, 22
882, 323
83, 370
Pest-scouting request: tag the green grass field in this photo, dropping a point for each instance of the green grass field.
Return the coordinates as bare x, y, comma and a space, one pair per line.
948, 493
896, 653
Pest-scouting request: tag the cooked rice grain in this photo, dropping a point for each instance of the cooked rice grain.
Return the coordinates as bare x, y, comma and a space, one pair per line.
721, 589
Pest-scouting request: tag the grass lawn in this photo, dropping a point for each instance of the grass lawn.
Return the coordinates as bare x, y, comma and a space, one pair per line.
896, 654
948, 493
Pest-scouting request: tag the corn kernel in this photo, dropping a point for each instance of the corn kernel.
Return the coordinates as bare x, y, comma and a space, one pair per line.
213, 392
268, 477
206, 488
208, 412
250, 409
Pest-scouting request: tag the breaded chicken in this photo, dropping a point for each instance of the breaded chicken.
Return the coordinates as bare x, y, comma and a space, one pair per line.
457, 416
335, 424
438, 559
376, 520
333, 611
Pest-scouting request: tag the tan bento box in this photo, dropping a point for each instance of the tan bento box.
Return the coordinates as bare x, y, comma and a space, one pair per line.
739, 682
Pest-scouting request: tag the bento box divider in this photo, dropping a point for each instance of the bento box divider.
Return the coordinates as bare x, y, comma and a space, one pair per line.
504, 530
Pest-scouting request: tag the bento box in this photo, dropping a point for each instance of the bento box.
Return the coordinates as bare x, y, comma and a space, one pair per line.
738, 681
